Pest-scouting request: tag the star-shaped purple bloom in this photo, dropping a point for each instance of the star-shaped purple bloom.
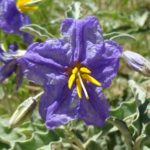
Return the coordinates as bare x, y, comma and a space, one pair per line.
11, 19
73, 70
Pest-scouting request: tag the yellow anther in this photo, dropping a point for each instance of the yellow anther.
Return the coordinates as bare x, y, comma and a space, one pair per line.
79, 88
85, 70
71, 81
91, 79
83, 86
80, 75
22, 5
75, 70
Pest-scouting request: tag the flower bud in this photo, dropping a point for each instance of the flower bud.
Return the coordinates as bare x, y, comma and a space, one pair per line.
22, 111
137, 62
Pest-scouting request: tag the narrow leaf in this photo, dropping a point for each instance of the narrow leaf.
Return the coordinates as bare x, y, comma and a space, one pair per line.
123, 36
36, 31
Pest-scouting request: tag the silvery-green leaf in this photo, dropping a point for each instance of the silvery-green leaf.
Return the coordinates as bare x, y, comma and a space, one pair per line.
74, 10
140, 19
97, 141
56, 145
146, 148
36, 31
123, 36
140, 141
28, 136
125, 109
111, 34
138, 91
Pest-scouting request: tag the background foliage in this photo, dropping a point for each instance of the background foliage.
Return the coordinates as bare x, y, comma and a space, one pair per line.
129, 124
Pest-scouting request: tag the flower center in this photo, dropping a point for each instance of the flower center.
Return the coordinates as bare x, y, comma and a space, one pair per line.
79, 76
26, 5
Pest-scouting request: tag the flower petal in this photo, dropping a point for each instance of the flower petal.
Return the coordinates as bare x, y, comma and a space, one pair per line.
19, 76
95, 110
52, 91
7, 69
41, 71
44, 60
63, 109
10, 18
53, 49
78, 33
103, 60
7, 56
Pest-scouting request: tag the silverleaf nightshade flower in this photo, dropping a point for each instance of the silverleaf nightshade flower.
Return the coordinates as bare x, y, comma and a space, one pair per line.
11, 64
73, 70
12, 17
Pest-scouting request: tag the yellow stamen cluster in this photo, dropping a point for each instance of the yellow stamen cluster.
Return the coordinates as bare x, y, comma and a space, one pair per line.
79, 76
23, 6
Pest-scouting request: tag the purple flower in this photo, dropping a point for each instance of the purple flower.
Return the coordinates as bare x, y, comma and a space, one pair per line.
11, 64
73, 70
11, 19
